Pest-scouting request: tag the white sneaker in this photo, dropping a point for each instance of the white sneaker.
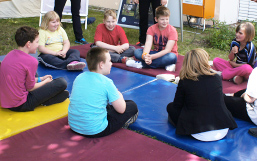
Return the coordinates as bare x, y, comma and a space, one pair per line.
167, 77
177, 79
134, 64
171, 67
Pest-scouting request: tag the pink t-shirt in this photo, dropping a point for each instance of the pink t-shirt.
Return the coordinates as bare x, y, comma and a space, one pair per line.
115, 37
17, 76
160, 38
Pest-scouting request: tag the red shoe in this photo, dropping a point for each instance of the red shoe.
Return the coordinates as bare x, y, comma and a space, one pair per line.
140, 44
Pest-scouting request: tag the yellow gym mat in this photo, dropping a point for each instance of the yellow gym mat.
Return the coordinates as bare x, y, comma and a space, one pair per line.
12, 123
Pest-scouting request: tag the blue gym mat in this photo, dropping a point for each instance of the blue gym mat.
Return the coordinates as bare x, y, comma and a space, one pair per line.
152, 100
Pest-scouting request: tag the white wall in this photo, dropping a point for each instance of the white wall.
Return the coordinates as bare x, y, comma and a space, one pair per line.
229, 11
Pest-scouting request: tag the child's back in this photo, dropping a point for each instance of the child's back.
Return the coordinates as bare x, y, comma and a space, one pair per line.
89, 112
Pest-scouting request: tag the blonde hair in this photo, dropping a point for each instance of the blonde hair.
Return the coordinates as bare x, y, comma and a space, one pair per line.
108, 13
195, 64
162, 11
248, 29
50, 16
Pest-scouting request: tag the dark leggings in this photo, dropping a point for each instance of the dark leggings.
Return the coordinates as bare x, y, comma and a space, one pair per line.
237, 106
59, 62
50, 93
116, 120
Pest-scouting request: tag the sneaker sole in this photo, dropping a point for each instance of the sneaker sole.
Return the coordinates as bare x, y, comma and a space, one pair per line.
130, 121
77, 66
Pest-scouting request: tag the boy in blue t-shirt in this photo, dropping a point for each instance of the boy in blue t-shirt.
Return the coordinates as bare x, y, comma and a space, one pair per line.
89, 112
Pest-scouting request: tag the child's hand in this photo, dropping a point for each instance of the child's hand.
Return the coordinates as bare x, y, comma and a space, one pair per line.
136, 1
234, 49
163, 2
47, 80
119, 49
148, 59
62, 54
45, 77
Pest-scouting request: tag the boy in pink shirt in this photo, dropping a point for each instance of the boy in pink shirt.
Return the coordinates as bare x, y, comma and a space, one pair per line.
112, 37
164, 37
20, 89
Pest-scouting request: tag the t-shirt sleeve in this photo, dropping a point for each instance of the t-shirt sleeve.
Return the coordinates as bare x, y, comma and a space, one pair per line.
42, 35
112, 92
98, 34
150, 30
251, 85
64, 34
122, 35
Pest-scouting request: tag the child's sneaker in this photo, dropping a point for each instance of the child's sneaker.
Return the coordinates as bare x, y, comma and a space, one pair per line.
171, 67
75, 65
140, 44
81, 41
125, 59
238, 79
130, 121
134, 64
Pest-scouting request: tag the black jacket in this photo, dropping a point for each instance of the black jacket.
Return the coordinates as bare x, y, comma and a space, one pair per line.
202, 106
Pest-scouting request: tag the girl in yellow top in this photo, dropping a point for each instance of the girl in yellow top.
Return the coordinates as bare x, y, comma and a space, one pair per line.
54, 45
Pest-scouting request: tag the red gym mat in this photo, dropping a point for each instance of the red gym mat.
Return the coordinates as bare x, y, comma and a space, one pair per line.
55, 141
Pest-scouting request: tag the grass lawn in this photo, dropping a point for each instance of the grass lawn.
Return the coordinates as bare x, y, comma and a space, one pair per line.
8, 28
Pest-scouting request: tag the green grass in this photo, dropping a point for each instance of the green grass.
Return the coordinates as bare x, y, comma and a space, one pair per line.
8, 28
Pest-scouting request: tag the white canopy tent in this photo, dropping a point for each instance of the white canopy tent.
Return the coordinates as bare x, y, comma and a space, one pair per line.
35, 8
19, 8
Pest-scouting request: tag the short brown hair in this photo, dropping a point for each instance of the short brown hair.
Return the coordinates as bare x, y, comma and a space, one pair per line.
25, 34
50, 16
249, 30
94, 57
195, 64
162, 11
108, 13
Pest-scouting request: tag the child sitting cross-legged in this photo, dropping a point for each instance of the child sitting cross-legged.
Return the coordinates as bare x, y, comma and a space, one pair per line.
89, 112
20, 89
164, 37
54, 45
112, 37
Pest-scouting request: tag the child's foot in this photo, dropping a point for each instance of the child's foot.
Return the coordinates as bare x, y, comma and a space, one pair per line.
140, 44
171, 67
81, 41
134, 64
75, 65
125, 59
215, 71
238, 79
130, 121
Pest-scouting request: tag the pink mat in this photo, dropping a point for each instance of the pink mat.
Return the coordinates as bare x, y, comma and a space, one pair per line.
55, 141
228, 87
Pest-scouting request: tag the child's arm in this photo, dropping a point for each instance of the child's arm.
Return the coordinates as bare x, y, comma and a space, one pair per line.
46, 79
248, 98
232, 53
66, 47
148, 44
120, 104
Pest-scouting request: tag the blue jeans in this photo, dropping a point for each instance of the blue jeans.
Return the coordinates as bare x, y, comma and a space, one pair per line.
161, 62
